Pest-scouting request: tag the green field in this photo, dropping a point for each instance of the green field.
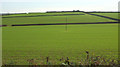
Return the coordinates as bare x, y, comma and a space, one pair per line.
33, 14
54, 19
112, 15
37, 42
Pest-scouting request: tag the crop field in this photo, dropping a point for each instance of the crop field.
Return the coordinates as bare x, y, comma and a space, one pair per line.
32, 14
84, 18
58, 42
113, 15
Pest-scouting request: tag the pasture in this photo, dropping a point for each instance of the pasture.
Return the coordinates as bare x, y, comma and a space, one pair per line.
21, 43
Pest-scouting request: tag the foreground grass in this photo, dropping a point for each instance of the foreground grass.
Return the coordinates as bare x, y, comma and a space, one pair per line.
39, 42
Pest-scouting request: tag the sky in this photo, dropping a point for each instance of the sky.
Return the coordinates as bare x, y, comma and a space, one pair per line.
19, 6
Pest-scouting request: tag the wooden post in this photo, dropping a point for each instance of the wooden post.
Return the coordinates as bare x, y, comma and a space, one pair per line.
47, 59
87, 55
66, 24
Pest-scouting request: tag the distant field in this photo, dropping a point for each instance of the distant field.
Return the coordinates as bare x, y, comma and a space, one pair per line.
112, 15
33, 14
37, 42
54, 19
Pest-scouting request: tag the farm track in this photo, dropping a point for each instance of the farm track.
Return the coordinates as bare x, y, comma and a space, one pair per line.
43, 15
103, 16
63, 24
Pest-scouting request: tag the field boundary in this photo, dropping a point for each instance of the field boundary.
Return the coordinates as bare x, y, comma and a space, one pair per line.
60, 65
3, 25
63, 24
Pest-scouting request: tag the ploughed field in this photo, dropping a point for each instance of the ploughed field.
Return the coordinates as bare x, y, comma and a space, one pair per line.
22, 43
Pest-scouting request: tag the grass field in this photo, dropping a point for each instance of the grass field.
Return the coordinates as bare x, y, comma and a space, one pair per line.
55, 19
38, 42
33, 14
112, 15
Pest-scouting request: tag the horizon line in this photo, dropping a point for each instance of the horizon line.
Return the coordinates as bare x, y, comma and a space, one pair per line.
53, 11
